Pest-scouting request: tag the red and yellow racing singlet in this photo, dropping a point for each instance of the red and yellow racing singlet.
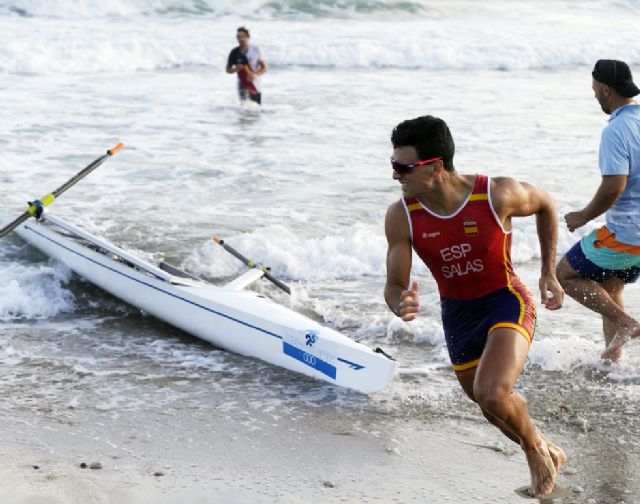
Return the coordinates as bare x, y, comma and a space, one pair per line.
468, 252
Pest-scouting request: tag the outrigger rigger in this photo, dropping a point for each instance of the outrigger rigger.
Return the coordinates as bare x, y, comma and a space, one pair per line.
229, 316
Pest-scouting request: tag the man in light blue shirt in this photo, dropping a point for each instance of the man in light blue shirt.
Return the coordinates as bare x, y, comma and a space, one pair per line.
620, 155
595, 270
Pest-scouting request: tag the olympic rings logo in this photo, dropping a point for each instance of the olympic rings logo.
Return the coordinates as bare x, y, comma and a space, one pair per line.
309, 359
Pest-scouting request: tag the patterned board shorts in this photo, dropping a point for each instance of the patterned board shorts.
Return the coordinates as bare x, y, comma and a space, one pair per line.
594, 258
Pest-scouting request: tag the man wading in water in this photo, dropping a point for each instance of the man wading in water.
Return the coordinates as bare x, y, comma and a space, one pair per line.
248, 63
460, 226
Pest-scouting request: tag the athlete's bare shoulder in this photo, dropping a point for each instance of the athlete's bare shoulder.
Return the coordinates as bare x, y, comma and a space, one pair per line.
396, 224
396, 208
502, 184
511, 197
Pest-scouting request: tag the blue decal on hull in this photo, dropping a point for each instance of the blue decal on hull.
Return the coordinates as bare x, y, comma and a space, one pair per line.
352, 365
310, 360
311, 337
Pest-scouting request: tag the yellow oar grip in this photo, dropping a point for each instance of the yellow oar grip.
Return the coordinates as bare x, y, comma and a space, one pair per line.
111, 152
47, 199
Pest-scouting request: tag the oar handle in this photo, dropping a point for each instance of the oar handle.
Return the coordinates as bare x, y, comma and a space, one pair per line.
111, 152
252, 264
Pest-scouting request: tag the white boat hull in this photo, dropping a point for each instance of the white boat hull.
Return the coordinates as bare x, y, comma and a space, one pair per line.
237, 320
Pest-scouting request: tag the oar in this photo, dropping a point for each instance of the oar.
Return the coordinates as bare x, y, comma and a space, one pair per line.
36, 207
252, 264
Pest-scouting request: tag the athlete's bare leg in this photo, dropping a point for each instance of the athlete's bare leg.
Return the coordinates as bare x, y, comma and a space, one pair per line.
605, 299
466, 379
492, 388
614, 287
613, 351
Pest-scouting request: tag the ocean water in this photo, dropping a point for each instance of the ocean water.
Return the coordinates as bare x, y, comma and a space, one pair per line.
301, 186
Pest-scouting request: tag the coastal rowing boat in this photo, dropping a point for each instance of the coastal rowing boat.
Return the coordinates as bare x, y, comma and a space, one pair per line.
230, 316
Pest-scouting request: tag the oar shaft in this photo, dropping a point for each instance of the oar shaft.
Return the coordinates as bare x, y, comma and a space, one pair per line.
10, 227
252, 264
48, 199
277, 282
235, 253
86, 171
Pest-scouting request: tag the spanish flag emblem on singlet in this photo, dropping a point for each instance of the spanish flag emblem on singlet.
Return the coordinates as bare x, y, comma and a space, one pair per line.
470, 227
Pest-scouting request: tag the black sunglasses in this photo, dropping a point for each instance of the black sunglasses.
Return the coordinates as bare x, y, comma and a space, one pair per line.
403, 168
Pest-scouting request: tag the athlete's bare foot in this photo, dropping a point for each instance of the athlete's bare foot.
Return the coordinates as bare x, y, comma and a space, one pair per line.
614, 349
611, 355
542, 469
558, 455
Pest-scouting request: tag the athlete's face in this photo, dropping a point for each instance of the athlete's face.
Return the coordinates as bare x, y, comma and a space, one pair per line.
243, 39
413, 180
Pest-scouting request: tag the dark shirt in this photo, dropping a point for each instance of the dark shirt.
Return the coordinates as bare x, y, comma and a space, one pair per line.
237, 58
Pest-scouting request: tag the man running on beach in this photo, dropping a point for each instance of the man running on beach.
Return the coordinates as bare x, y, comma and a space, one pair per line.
596, 269
247, 62
460, 226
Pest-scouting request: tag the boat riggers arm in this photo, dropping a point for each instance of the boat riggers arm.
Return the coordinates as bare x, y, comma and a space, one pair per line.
252, 264
36, 207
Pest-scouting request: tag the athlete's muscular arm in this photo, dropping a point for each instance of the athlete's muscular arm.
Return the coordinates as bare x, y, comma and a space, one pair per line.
518, 199
402, 300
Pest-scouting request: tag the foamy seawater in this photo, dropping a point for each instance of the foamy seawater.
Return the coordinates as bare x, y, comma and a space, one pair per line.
302, 187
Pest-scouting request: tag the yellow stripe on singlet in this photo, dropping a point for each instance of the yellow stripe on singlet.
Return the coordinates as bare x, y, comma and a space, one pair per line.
511, 289
479, 197
414, 206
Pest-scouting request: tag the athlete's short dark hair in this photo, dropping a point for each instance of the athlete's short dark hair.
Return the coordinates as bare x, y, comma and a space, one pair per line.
429, 135
244, 30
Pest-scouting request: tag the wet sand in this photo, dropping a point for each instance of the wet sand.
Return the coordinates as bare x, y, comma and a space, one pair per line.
321, 454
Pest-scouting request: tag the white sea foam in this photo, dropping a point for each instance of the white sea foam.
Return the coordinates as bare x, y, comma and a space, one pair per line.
422, 330
305, 9
353, 252
564, 354
121, 36
34, 292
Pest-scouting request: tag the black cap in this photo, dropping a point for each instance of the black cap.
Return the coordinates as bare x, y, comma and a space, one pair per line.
615, 74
